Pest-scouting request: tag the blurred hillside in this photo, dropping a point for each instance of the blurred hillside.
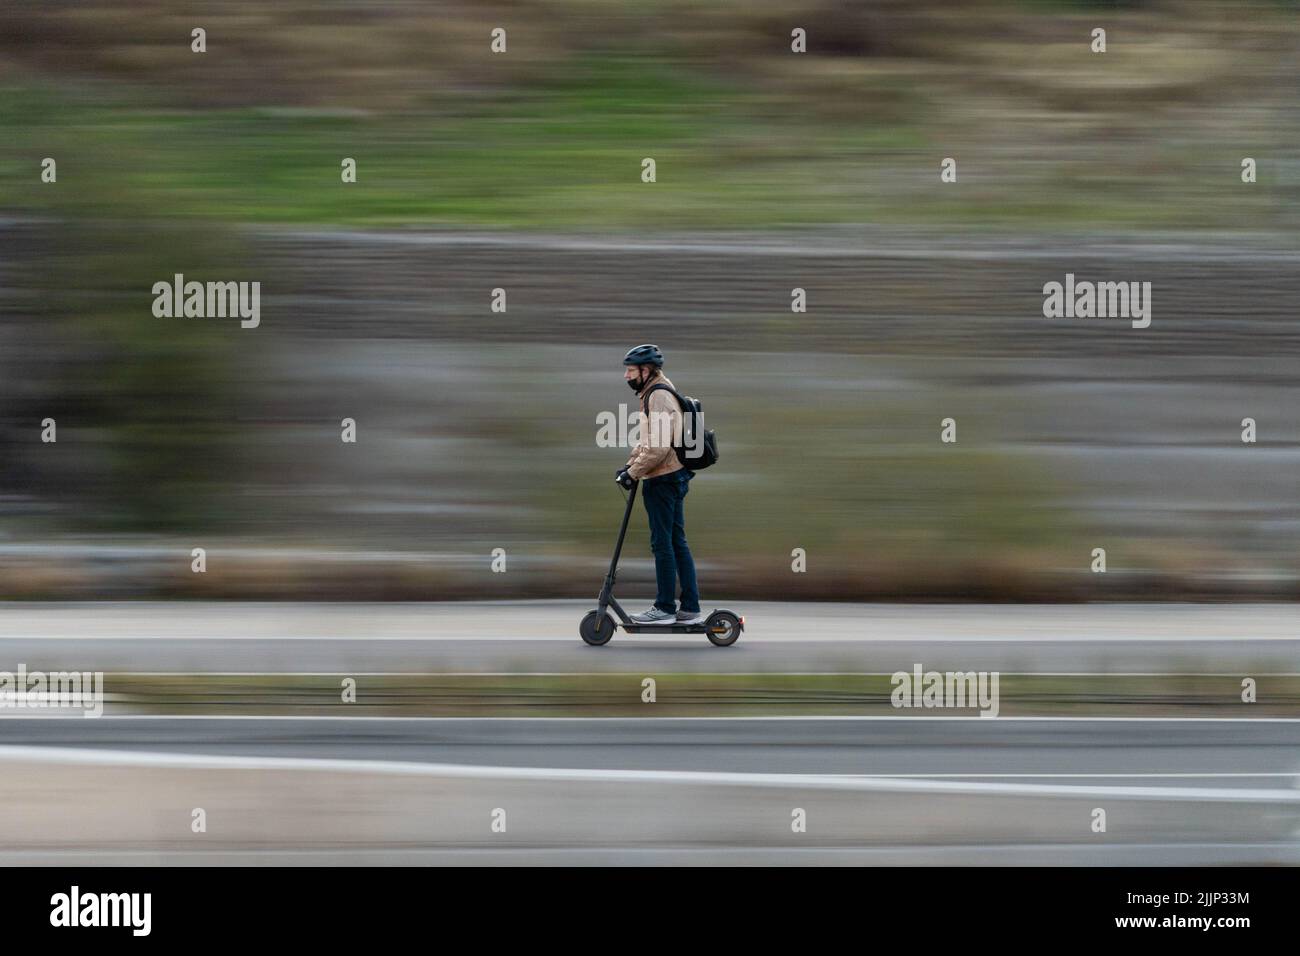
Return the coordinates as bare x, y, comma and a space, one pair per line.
522, 171
478, 430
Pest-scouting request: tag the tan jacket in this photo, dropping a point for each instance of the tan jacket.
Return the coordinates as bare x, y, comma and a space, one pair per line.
654, 456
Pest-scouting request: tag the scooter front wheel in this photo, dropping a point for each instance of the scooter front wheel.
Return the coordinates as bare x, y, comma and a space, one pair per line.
596, 628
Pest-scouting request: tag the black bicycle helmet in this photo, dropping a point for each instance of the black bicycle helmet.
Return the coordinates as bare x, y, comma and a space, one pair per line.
644, 355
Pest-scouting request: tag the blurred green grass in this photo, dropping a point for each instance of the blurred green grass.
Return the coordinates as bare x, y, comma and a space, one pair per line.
564, 154
745, 135
677, 695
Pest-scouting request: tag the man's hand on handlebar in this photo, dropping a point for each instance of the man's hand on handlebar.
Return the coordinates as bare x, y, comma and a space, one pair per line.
624, 479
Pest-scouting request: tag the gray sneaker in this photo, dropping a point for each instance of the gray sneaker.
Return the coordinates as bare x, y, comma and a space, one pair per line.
690, 617
655, 616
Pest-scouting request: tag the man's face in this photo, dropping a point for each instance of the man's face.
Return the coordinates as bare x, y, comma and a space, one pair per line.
633, 373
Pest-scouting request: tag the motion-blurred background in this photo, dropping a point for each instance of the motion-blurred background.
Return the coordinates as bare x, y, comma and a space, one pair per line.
522, 171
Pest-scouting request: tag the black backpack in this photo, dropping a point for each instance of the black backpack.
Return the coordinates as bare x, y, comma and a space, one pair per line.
699, 448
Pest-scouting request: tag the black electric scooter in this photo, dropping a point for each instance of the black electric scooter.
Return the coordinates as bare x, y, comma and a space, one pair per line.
722, 626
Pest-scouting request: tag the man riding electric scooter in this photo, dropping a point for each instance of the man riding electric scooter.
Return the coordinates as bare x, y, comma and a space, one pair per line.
664, 484
673, 439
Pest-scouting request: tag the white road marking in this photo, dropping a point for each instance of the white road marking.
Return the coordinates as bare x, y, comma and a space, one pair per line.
126, 758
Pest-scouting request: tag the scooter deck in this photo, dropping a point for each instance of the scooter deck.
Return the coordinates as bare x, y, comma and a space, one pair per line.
697, 628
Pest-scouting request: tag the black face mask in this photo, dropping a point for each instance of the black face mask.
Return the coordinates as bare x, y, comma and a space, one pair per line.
636, 384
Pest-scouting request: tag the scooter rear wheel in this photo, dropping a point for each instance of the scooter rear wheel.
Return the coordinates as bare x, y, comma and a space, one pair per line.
723, 628
596, 628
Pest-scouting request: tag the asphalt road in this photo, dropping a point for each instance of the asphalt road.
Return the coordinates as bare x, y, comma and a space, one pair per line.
658, 791
542, 637
1163, 753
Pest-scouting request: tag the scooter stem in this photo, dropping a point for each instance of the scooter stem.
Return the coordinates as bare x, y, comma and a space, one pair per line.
608, 589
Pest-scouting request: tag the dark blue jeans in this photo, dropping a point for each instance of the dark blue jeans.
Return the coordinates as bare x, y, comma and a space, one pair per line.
663, 498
